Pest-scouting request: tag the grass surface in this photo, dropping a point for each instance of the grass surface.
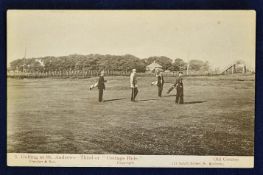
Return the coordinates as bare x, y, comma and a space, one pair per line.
63, 116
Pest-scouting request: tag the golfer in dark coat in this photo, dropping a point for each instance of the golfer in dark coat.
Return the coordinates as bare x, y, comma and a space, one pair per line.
160, 83
101, 86
180, 89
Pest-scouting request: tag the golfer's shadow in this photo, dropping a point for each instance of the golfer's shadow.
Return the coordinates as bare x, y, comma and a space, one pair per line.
189, 102
193, 102
171, 95
148, 99
114, 99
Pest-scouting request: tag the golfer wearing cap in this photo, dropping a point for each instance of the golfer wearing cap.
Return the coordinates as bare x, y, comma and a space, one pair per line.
101, 86
134, 87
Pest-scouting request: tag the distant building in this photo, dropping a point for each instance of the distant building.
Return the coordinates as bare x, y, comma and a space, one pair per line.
41, 62
153, 66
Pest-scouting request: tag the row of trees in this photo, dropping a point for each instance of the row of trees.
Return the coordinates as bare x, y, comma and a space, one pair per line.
106, 62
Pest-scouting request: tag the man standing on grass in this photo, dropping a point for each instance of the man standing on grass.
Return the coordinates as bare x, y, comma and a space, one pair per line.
134, 87
180, 89
101, 86
160, 82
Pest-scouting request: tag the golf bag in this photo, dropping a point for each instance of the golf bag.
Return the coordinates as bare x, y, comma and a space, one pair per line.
170, 89
93, 86
154, 83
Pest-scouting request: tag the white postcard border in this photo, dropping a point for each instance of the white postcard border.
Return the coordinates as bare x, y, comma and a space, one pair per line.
116, 160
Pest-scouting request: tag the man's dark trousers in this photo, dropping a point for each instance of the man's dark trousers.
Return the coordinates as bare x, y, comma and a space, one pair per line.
160, 90
134, 93
179, 96
100, 95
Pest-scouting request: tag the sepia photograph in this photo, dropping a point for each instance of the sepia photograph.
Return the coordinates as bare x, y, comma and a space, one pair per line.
131, 88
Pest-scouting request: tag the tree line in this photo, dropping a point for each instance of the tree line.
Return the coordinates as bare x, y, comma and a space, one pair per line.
103, 62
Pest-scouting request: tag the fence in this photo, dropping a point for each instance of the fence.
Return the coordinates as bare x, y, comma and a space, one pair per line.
91, 73
64, 74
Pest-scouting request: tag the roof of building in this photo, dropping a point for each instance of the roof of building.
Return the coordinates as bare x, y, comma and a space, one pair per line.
154, 65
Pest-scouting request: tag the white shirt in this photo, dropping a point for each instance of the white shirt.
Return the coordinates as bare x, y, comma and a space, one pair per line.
133, 80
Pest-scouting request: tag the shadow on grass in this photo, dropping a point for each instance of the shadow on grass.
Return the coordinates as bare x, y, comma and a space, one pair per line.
194, 102
148, 99
115, 99
172, 95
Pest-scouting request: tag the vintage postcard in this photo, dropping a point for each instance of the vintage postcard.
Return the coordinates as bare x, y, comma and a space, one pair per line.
131, 88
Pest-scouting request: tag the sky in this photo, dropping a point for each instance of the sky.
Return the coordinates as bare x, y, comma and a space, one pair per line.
219, 37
